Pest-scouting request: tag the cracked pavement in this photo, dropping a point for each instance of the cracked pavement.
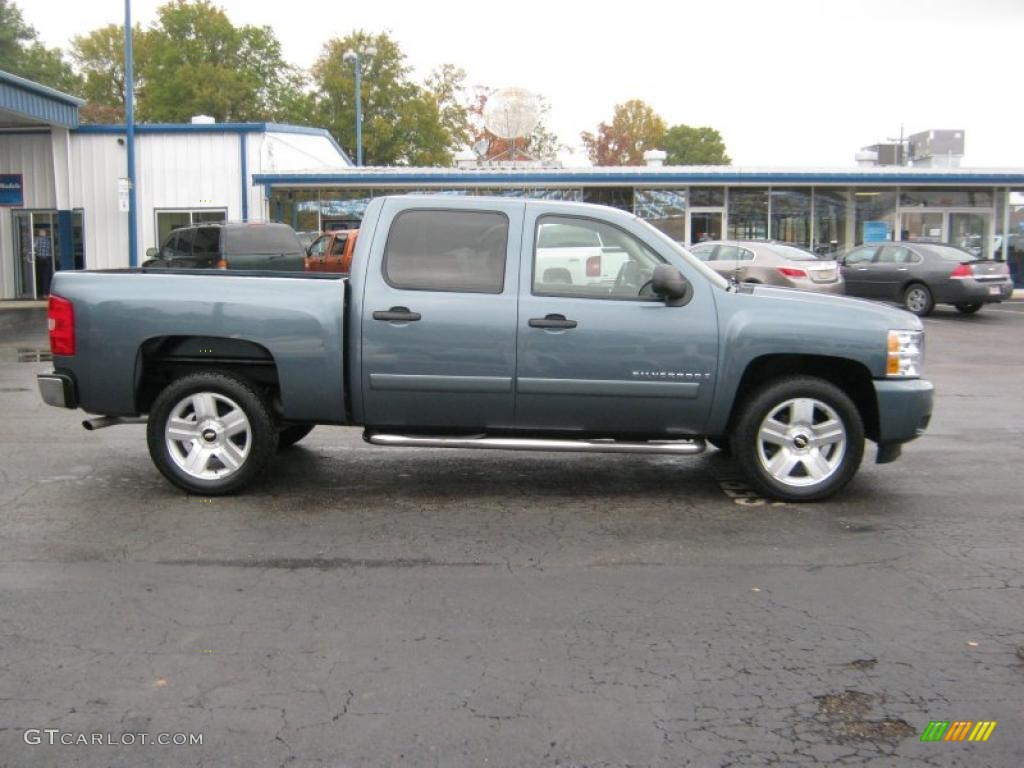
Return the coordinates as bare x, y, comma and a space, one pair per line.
364, 606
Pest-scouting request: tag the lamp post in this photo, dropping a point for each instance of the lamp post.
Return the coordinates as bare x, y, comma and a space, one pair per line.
357, 58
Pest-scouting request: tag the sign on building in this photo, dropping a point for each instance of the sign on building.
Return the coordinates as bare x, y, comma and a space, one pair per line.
12, 190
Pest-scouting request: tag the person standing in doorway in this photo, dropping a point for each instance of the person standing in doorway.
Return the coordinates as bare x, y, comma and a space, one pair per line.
44, 262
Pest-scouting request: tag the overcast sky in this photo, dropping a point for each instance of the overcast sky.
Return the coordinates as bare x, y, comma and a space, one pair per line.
786, 82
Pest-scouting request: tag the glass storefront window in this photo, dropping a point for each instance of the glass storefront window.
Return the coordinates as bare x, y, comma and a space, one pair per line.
299, 208
616, 197
748, 214
791, 216
664, 209
829, 222
707, 197
945, 198
875, 215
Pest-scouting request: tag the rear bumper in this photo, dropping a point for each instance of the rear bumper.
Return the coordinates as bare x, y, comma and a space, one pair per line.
904, 409
58, 390
977, 291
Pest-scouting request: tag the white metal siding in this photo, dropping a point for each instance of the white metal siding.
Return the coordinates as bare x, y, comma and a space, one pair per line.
31, 155
98, 161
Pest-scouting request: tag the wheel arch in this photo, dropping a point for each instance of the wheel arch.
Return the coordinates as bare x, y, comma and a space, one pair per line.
850, 376
162, 359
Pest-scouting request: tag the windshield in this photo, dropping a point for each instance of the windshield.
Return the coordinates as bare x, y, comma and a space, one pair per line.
261, 239
712, 277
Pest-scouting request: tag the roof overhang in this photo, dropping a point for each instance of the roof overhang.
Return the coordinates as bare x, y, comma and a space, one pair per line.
25, 104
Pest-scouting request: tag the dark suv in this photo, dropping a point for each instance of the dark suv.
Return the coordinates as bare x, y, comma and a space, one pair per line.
230, 246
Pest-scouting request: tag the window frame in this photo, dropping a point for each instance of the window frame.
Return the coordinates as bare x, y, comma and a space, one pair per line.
473, 211
627, 233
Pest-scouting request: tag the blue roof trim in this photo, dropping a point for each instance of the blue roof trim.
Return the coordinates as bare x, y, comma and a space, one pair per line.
38, 102
476, 178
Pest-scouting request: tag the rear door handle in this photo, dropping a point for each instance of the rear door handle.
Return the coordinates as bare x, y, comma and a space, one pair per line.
401, 314
552, 321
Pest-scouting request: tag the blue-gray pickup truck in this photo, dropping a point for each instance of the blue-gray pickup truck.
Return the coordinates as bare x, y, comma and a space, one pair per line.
461, 326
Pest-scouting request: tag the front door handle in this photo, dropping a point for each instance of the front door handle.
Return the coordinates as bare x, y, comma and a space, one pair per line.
400, 314
552, 321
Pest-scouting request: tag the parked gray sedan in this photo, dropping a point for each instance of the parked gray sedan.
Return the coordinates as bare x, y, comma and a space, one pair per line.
771, 263
921, 275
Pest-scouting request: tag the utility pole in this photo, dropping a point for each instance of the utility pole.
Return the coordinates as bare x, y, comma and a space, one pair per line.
129, 119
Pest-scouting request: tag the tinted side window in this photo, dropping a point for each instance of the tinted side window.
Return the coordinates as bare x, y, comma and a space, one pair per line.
184, 247
338, 249
319, 246
169, 247
433, 250
703, 252
728, 253
207, 242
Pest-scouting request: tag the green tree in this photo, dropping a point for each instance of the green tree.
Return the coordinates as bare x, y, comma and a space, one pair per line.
689, 145
21, 53
403, 123
541, 144
195, 61
99, 58
635, 128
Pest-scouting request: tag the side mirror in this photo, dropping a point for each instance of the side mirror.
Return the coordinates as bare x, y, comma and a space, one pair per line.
152, 253
668, 282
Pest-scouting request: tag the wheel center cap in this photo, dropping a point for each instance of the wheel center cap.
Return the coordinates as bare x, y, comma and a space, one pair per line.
801, 441
209, 435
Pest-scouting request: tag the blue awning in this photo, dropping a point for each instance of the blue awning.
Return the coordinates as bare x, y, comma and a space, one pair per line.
34, 103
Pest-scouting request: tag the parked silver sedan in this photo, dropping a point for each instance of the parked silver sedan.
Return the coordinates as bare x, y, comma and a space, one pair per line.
771, 263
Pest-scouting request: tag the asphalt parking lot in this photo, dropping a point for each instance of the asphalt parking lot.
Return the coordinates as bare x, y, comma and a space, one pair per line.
373, 607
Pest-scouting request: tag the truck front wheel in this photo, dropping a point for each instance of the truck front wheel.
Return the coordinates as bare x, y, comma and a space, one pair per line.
799, 438
210, 433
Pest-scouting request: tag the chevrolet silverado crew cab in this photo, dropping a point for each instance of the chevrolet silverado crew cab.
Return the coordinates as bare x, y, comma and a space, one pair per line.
449, 332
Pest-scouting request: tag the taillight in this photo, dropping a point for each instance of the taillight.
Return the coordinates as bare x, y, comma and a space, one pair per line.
962, 271
60, 317
594, 266
792, 272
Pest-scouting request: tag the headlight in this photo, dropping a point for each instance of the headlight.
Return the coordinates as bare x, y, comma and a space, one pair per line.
905, 354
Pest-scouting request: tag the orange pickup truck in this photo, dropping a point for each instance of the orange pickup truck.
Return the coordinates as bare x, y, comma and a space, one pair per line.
332, 252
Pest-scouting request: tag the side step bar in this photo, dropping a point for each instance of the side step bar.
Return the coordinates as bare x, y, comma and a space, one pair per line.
675, 447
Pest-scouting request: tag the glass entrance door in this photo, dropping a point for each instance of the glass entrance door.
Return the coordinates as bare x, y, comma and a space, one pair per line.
704, 225
36, 245
967, 229
971, 231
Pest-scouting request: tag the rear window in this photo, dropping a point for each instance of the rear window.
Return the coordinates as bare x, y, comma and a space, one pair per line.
257, 239
432, 250
949, 253
790, 253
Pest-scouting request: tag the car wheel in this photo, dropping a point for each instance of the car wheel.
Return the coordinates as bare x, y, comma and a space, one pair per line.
918, 299
289, 436
968, 309
210, 433
799, 438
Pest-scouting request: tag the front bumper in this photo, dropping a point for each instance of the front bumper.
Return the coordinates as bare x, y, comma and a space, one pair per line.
58, 389
904, 409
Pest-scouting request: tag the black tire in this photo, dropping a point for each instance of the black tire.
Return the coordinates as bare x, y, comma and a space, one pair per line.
968, 309
239, 427
289, 436
917, 298
809, 451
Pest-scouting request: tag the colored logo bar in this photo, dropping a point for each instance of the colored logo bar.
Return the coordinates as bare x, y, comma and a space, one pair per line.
958, 730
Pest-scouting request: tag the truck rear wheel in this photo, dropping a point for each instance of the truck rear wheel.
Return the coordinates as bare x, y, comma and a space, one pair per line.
799, 438
210, 433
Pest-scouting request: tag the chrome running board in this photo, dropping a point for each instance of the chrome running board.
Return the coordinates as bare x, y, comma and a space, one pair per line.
675, 447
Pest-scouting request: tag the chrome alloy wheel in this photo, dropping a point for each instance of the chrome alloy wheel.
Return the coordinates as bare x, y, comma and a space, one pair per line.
208, 436
801, 442
916, 299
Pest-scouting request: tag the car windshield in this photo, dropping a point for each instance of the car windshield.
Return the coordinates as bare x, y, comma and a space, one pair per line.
950, 253
791, 253
260, 240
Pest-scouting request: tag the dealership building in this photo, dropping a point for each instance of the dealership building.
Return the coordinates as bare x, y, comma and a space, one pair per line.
63, 191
